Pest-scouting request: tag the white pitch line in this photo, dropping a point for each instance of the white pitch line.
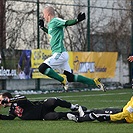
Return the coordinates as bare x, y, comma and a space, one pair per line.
90, 95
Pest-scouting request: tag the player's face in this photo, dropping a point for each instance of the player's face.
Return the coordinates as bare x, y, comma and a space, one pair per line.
4, 105
46, 15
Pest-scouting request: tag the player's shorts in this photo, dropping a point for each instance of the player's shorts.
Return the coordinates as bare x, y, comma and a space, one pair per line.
59, 62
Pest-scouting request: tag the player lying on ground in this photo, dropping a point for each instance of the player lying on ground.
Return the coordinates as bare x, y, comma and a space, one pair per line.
124, 115
25, 109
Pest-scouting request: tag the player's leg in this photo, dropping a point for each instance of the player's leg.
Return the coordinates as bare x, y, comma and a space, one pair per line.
83, 116
76, 118
76, 78
58, 115
107, 111
46, 69
66, 104
79, 78
52, 103
55, 116
55, 62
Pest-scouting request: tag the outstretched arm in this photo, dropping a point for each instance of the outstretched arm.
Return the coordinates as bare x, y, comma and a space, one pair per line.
71, 22
6, 117
12, 100
80, 17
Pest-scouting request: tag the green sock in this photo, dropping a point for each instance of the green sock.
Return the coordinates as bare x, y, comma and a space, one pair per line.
82, 79
52, 74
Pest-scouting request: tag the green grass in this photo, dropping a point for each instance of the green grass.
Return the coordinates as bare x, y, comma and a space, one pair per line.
90, 99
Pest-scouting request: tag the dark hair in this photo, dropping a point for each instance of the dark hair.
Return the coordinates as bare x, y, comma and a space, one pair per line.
7, 94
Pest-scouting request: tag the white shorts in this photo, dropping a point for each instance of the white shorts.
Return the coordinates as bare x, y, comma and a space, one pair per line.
59, 62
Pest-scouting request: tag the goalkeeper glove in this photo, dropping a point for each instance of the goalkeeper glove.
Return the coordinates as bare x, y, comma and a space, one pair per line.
101, 118
81, 17
41, 23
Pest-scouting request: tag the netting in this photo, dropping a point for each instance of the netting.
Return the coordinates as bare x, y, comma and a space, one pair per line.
109, 25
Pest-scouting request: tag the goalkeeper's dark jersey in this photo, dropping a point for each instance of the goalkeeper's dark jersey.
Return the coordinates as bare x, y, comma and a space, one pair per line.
25, 110
38, 110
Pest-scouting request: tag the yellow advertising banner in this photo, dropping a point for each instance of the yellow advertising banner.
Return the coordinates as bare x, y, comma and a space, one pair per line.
37, 58
95, 64
89, 64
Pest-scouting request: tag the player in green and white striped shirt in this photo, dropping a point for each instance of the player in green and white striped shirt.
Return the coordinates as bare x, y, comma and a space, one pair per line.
59, 58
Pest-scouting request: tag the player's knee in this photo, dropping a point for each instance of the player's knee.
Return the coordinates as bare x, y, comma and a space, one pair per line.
52, 101
70, 76
43, 67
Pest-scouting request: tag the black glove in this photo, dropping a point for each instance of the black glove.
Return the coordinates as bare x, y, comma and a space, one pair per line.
41, 23
5, 101
100, 118
81, 17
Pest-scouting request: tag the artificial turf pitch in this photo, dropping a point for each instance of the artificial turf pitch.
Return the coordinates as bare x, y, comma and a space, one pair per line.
91, 99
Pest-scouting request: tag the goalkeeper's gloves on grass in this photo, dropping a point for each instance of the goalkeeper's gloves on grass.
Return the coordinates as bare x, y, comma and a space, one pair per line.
81, 17
41, 23
101, 118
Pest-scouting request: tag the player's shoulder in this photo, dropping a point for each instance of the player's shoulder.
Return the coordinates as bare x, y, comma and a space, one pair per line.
21, 97
18, 95
59, 19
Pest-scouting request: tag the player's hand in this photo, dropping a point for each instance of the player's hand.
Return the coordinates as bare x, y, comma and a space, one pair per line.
5, 100
130, 58
101, 118
81, 17
41, 23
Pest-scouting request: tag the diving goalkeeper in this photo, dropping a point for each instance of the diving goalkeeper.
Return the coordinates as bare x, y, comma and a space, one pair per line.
25, 109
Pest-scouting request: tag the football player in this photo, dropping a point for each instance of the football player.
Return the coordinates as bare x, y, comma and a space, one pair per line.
59, 58
25, 109
124, 115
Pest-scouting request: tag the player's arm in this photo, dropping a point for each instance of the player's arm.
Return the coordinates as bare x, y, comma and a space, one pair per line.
12, 100
41, 25
18, 98
71, 22
7, 117
44, 29
80, 17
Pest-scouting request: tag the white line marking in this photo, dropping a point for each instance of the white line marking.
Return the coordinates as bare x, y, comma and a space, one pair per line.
90, 95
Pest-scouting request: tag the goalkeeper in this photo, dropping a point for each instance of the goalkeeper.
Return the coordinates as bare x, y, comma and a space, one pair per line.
59, 58
124, 115
25, 109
